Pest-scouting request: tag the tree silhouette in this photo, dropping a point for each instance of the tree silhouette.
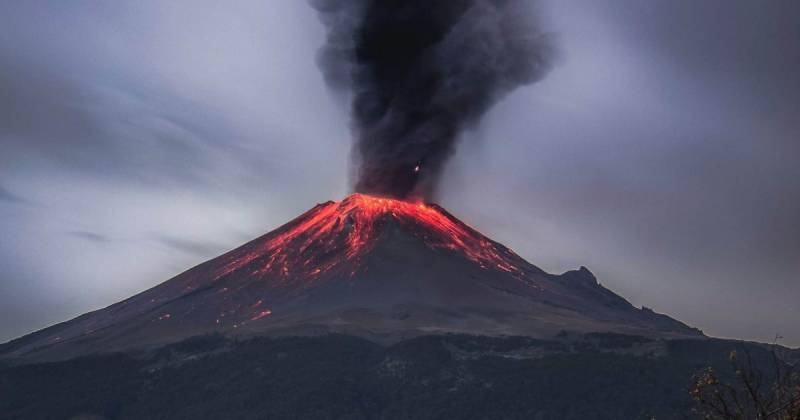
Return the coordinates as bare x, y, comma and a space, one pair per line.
754, 393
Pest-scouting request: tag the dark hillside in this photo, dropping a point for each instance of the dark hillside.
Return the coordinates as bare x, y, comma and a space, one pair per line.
594, 376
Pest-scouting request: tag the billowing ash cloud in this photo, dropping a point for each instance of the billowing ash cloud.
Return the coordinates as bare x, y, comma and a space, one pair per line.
420, 72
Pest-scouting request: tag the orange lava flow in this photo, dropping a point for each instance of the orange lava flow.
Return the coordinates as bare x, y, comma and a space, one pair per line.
332, 234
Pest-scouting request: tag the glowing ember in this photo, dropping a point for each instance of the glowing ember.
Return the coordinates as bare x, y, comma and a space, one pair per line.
261, 314
334, 233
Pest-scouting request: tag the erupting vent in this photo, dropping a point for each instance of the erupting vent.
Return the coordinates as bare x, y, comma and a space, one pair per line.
331, 234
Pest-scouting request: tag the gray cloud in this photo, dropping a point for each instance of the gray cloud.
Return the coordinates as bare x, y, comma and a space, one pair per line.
105, 130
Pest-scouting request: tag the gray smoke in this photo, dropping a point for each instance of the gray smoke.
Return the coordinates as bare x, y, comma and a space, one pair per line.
420, 72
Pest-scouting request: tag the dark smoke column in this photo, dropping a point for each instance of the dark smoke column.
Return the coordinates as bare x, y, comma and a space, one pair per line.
420, 72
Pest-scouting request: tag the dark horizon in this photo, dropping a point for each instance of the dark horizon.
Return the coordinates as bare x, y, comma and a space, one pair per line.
141, 139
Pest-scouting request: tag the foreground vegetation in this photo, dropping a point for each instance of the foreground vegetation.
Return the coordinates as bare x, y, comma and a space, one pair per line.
764, 390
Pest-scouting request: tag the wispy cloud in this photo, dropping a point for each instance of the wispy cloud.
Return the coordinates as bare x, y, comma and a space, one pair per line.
95, 237
193, 247
8, 196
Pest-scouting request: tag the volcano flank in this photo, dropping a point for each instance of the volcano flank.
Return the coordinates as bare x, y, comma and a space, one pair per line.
380, 268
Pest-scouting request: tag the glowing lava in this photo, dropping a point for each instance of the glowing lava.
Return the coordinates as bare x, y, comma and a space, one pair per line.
332, 234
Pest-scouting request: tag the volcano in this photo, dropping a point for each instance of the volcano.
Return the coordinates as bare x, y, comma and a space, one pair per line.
375, 267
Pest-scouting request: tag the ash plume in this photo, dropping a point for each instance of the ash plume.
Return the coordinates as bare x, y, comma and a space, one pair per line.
420, 72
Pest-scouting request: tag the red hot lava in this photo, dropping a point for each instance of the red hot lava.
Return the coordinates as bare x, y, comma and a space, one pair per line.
332, 234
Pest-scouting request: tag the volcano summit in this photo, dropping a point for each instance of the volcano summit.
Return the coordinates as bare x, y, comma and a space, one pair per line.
376, 267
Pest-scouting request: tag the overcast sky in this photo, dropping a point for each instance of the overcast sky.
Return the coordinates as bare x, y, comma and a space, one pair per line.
139, 138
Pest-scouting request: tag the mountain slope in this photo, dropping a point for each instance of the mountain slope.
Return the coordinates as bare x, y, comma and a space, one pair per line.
366, 265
